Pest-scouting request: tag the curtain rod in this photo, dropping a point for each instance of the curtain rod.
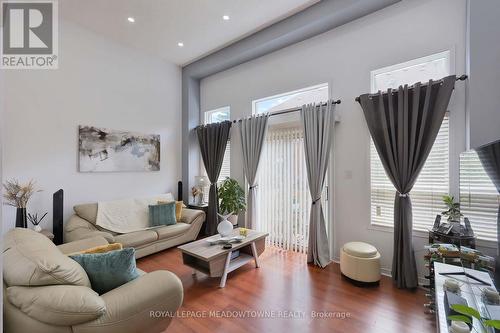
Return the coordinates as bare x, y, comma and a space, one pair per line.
294, 110
460, 78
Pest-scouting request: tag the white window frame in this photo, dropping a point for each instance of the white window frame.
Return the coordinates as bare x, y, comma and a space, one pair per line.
208, 114
321, 85
483, 242
451, 182
436, 56
330, 172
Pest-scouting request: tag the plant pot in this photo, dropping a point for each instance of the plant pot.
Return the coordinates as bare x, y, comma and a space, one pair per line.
225, 228
233, 219
38, 228
21, 219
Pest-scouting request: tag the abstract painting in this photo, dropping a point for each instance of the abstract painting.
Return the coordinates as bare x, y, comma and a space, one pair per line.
105, 150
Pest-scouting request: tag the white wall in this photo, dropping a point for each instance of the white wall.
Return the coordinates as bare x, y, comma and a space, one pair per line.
484, 78
100, 83
344, 58
2, 106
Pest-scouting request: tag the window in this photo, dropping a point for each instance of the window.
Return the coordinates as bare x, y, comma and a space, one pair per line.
291, 99
284, 202
479, 198
215, 116
433, 181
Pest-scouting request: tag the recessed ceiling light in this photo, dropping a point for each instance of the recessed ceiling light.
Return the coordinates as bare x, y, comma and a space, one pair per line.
131, 19
180, 44
225, 17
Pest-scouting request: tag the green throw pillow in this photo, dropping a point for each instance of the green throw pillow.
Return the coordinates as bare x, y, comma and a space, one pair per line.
162, 214
108, 270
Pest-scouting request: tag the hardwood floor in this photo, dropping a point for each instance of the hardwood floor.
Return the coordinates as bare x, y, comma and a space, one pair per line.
285, 283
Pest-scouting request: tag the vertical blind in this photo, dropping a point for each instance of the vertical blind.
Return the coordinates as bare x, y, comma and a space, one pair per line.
427, 194
283, 200
479, 198
225, 170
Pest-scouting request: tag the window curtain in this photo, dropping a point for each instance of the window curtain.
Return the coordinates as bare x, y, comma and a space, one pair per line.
213, 141
318, 125
490, 159
253, 133
404, 124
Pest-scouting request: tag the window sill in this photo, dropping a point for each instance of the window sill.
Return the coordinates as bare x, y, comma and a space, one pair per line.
486, 243
384, 228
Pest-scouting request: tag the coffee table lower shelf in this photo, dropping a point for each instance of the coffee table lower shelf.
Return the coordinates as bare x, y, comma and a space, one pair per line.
223, 264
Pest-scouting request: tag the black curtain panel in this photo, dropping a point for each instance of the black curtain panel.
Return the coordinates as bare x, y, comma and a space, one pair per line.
213, 140
404, 124
490, 159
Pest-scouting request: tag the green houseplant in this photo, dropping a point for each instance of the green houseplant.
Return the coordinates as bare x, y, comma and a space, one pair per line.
466, 313
232, 199
453, 211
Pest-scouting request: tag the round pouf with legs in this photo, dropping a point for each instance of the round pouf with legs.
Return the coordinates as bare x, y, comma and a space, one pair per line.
360, 262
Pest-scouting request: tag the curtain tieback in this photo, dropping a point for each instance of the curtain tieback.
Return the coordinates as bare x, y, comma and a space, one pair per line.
403, 195
316, 200
254, 186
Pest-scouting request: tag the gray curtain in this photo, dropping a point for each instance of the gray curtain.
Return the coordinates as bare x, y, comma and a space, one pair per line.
318, 124
404, 124
213, 140
490, 159
253, 132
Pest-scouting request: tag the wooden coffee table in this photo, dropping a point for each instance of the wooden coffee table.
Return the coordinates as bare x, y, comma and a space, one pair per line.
215, 261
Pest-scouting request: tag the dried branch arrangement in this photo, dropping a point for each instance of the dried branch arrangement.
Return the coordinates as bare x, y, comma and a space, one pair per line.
18, 195
34, 219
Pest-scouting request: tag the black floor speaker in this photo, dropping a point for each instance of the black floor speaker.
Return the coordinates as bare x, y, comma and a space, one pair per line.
57, 216
179, 191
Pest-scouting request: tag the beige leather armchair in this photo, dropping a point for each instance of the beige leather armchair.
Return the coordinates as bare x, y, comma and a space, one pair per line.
47, 292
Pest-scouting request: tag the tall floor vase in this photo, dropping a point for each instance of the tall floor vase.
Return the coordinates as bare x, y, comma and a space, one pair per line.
21, 220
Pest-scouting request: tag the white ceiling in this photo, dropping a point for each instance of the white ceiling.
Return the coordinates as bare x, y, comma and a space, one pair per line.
161, 24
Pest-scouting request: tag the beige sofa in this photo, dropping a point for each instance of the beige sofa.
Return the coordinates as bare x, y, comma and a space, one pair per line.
47, 292
83, 225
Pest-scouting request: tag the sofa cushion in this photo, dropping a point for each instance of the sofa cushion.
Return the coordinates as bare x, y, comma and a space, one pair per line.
31, 259
58, 305
109, 270
87, 211
162, 214
172, 230
99, 249
137, 238
179, 207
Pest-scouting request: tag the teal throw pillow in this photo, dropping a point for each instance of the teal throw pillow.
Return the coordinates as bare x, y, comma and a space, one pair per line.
108, 270
162, 214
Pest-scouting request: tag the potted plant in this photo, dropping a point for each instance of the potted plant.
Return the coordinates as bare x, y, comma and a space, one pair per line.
232, 199
466, 313
453, 211
17, 195
36, 220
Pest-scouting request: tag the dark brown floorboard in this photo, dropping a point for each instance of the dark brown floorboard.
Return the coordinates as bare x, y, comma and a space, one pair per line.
284, 282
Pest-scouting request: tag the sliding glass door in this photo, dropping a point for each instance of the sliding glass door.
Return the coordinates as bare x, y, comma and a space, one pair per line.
283, 201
